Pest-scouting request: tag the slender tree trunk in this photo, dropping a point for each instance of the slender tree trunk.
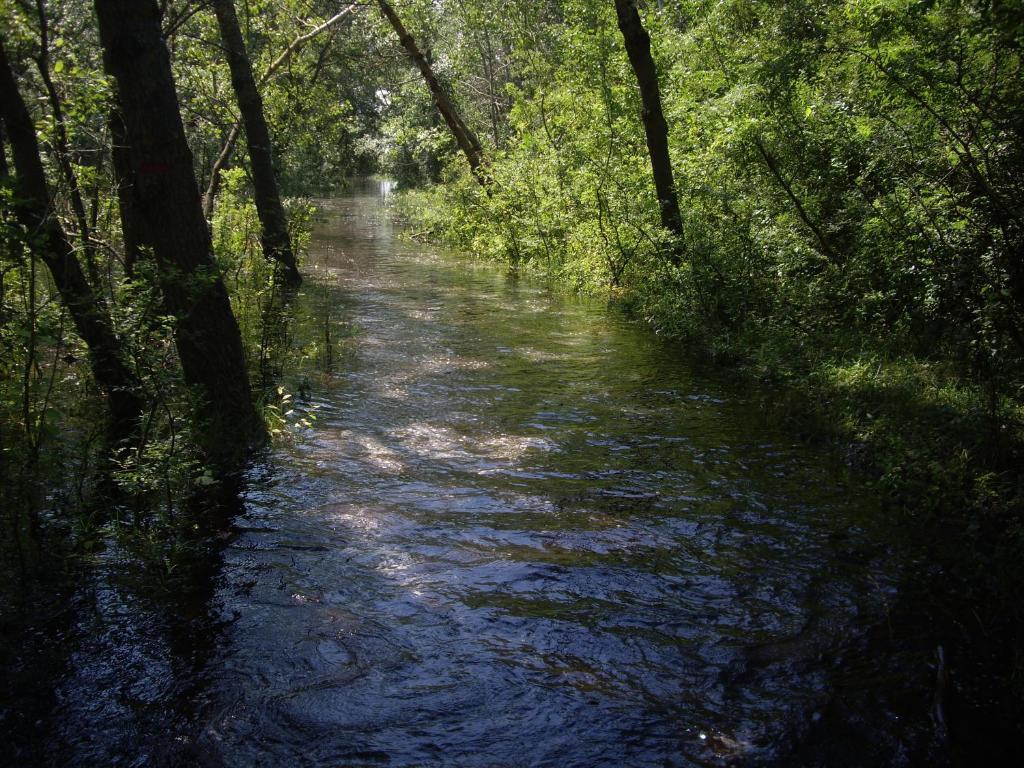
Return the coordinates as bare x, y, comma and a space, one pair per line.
276, 244
34, 208
638, 48
166, 198
487, 62
464, 137
773, 165
124, 183
63, 146
229, 144
4, 173
218, 165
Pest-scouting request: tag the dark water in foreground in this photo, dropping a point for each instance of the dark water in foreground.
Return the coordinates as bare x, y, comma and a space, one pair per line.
521, 531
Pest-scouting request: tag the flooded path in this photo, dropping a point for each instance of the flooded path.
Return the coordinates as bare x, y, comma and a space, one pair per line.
521, 531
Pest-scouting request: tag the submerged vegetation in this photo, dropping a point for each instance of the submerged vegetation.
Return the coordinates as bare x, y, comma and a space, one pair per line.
824, 195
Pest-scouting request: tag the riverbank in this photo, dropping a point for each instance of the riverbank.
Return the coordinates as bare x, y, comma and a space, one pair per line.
942, 450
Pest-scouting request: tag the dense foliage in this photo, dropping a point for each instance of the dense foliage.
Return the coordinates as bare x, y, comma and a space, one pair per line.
56, 452
849, 176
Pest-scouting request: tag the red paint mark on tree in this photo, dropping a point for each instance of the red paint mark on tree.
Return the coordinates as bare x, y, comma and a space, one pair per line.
154, 168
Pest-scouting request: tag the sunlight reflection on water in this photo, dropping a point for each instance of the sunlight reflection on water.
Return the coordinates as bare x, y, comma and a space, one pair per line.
522, 532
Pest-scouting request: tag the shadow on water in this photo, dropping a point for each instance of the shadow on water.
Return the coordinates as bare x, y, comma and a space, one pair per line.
521, 531
103, 658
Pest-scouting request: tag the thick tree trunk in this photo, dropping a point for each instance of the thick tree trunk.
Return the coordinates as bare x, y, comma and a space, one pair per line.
34, 208
464, 137
166, 198
276, 244
638, 48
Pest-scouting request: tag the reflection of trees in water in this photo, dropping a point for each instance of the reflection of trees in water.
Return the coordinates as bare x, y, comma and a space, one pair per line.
103, 657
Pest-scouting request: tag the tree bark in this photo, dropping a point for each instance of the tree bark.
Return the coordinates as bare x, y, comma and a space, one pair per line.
166, 198
464, 137
638, 49
34, 209
276, 244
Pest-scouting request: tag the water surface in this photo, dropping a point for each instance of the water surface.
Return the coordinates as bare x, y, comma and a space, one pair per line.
522, 531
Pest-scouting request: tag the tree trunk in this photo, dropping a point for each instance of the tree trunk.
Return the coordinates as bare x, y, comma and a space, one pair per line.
638, 48
63, 146
223, 157
773, 165
34, 209
4, 173
276, 244
229, 143
166, 198
124, 182
466, 139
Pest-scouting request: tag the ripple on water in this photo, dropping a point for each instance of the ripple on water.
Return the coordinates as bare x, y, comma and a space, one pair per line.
521, 532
